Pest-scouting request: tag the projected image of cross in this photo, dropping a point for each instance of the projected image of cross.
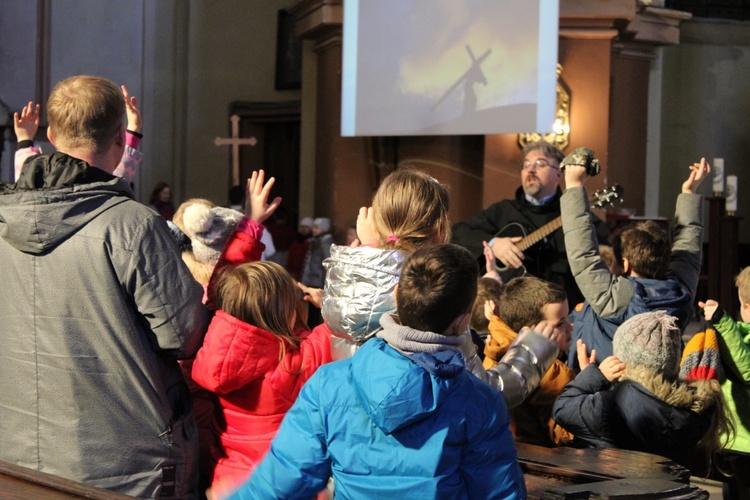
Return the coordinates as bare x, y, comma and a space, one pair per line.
472, 76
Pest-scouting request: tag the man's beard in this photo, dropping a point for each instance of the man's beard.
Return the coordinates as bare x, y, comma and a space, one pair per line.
532, 189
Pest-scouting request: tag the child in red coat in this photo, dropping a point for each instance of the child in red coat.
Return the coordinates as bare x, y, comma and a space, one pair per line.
253, 358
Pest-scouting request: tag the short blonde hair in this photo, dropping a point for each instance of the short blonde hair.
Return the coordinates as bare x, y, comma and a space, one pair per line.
412, 207
262, 294
742, 282
85, 111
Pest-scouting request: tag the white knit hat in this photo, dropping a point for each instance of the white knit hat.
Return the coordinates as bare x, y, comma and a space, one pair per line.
323, 223
209, 229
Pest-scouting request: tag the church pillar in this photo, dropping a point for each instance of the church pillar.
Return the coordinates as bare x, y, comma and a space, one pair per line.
632, 57
342, 172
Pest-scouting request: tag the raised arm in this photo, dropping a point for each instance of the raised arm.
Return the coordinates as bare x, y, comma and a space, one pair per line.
734, 339
608, 294
685, 259
244, 244
25, 125
131, 157
521, 368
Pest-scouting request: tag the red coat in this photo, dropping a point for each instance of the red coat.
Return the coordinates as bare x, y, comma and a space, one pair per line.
240, 363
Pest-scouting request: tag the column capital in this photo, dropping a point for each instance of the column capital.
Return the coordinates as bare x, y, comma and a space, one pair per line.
318, 20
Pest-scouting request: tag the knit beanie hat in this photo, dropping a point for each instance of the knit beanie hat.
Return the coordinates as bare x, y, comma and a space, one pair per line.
324, 224
209, 229
650, 339
307, 221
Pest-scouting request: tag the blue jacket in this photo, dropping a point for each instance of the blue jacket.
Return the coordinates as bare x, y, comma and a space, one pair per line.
610, 299
385, 425
649, 295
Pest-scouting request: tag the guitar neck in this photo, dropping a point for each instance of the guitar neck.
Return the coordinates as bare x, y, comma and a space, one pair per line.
539, 234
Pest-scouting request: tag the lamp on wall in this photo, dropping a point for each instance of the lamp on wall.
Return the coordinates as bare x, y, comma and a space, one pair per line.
560, 135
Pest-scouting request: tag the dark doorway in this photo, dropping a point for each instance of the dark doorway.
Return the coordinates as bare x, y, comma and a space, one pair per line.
276, 126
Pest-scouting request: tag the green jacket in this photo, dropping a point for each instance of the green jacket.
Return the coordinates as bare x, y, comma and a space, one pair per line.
734, 343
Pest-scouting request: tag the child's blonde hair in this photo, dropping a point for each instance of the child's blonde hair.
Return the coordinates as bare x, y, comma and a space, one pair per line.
262, 294
411, 209
85, 111
742, 282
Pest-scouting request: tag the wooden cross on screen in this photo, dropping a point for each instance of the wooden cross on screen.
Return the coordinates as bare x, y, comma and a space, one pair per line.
235, 141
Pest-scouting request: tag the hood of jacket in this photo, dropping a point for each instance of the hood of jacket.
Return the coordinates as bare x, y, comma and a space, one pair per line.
359, 289
656, 420
396, 391
54, 197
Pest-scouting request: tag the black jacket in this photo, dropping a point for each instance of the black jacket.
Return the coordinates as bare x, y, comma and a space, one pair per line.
626, 415
547, 259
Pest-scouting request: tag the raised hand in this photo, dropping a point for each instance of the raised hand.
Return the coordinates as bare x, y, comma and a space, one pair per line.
489, 309
256, 198
506, 250
366, 231
312, 295
131, 107
709, 309
612, 369
698, 172
490, 264
584, 359
27, 123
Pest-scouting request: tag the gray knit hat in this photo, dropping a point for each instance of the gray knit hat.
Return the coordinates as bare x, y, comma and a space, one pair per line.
209, 229
651, 339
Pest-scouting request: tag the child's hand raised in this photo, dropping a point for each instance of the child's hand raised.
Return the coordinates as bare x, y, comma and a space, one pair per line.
489, 309
584, 359
256, 204
312, 295
612, 369
698, 172
27, 123
366, 231
709, 309
490, 263
131, 107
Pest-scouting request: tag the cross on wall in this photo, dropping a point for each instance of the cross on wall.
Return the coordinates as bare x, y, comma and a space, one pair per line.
235, 141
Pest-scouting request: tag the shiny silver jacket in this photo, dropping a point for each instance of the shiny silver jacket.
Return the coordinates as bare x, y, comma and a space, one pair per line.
519, 372
358, 291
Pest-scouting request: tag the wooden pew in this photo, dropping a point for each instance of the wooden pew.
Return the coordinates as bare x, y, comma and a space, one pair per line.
568, 473
20, 483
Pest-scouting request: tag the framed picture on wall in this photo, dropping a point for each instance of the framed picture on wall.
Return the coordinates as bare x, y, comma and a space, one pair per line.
288, 54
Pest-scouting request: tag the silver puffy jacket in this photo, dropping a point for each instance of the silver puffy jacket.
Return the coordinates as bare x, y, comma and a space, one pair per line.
358, 291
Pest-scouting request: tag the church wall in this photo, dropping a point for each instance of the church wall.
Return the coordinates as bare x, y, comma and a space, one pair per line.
231, 56
705, 109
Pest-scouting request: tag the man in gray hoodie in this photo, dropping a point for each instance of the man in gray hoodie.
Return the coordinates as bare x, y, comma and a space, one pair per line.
96, 306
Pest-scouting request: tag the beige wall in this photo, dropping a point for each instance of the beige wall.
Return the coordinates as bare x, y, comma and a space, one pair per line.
705, 109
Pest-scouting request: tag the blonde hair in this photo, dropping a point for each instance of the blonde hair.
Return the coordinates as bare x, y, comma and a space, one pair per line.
742, 282
699, 396
412, 207
200, 271
85, 111
262, 294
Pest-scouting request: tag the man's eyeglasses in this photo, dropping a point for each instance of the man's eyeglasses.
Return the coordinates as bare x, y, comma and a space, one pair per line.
540, 163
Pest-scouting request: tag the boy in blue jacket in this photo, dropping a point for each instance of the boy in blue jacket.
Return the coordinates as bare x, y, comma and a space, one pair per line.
655, 277
402, 418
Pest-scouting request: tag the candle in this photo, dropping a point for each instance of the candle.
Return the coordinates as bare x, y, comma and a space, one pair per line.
731, 194
718, 176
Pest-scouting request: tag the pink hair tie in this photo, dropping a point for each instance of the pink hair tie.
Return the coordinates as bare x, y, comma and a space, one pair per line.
391, 239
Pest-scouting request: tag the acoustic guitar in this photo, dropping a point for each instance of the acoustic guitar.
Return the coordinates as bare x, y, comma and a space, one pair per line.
599, 199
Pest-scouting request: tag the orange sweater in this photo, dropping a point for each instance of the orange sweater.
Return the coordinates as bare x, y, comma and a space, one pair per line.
531, 421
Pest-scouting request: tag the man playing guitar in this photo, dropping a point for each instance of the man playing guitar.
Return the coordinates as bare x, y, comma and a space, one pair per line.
505, 224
